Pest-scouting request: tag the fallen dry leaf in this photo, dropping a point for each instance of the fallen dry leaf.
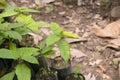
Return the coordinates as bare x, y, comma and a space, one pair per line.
57, 53
90, 77
112, 30
115, 41
77, 31
70, 6
103, 70
24, 1
112, 46
36, 37
58, 4
47, 1
100, 48
117, 54
80, 39
117, 59
96, 16
75, 53
80, 2
39, 3
11, 2
96, 62
43, 3
45, 30
106, 77
86, 34
62, 13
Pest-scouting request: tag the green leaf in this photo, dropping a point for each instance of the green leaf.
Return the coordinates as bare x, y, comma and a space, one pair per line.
12, 46
4, 26
24, 9
6, 54
42, 45
56, 28
14, 35
22, 30
30, 59
8, 13
29, 22
1, 20
34, 26
25, 19
2, 41
42, 24
15, 54
49, 53
3, 2
23, 72
14, 25
8, 76
9, 8
64, 49
13, 49
24, 51
51, 39
1, 36
116, 62
45, 50
69, 34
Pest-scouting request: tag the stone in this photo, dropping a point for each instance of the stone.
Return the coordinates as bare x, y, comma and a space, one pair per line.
115, 12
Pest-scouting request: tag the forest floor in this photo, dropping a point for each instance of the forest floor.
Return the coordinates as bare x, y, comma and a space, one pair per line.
97, 61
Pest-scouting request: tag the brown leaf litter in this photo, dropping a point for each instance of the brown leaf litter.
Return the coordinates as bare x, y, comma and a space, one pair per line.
112, 30
75, 54
113, 43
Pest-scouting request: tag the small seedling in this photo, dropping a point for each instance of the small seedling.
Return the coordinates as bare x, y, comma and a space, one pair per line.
115, 62
99, 48
49, 8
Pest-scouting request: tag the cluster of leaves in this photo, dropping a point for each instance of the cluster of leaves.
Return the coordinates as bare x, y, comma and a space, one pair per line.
11, 31
22, 23
47, 71
77, 73
58, 37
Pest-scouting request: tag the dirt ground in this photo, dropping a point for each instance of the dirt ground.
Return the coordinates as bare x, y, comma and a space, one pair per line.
97, 64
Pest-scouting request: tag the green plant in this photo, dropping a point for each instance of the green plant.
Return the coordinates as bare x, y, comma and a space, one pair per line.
47, 74
19, 26
19, 14
49, 8
115, 62
11, 31
48, 71
76, 70
77, 73
44, 50
58, 38
20, 55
